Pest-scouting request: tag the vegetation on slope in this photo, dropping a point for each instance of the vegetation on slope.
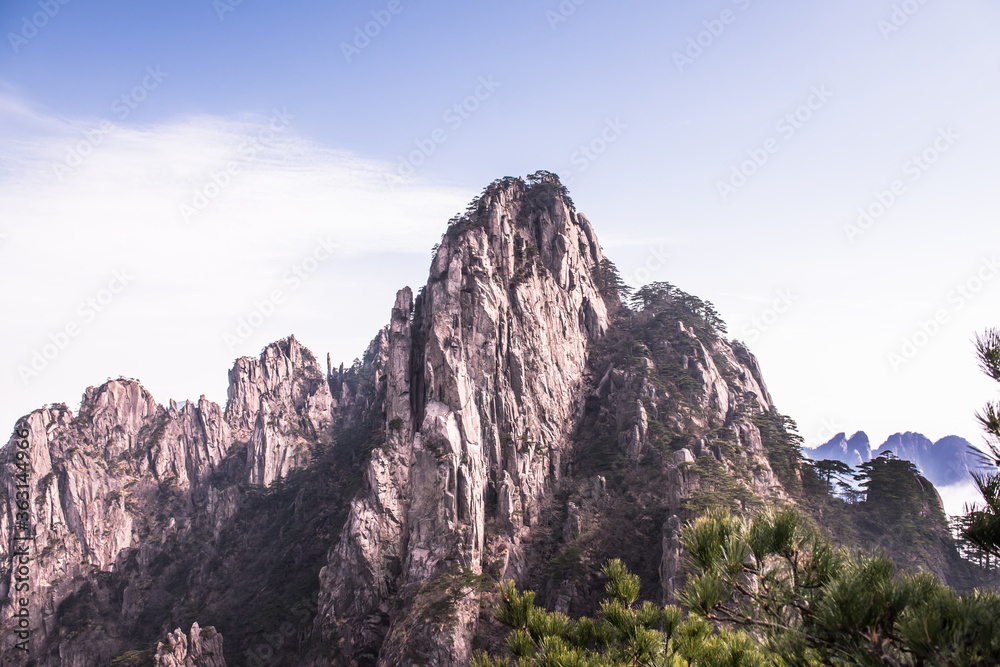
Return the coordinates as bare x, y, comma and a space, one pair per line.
898, 512
766, 590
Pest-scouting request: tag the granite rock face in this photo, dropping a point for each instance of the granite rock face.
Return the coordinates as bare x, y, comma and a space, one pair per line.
678, 401
193, 443
485, 377
281, 403
203, 648
98, 479
90, 478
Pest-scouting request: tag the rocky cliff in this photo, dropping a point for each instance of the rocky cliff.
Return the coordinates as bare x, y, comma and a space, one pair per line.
484, 380
203, 648
108, 484
518, 417
280, 404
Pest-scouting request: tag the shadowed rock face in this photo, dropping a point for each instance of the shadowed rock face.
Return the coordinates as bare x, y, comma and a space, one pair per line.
481, 389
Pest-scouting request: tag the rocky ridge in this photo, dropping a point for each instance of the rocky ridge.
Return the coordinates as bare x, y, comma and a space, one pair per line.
509, 422
203, 648
102, 477
480, 428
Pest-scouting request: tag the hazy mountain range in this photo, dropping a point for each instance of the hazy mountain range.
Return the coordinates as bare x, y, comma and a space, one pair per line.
944, 462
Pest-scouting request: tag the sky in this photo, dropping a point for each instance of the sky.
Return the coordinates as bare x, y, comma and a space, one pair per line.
183, 182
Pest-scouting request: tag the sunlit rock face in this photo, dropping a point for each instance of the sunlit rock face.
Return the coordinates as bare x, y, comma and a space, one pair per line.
485, 377
280, 404
202, 648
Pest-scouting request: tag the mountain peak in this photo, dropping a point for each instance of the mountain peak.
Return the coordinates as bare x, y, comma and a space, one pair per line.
519, 225
945, 462
852, 451
859, 440
509, 415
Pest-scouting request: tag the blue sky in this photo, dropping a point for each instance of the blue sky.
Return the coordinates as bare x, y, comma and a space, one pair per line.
819, 108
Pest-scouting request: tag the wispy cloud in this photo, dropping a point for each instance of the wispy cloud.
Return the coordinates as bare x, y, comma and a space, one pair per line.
958, 496
118, 204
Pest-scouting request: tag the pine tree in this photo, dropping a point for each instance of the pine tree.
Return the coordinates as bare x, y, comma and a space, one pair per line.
625, 633
609, 281
818, 605
830, 470
889, 482
981, 525
763, 590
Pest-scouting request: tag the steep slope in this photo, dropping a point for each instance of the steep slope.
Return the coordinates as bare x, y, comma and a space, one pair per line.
485, 425
280, 404
671, 425
903, 513
484, 382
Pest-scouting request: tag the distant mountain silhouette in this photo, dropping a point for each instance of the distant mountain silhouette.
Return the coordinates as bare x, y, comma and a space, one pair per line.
853, 451
945, 462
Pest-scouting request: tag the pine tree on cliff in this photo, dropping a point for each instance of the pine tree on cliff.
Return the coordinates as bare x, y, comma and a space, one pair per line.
890, 483
982, 524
